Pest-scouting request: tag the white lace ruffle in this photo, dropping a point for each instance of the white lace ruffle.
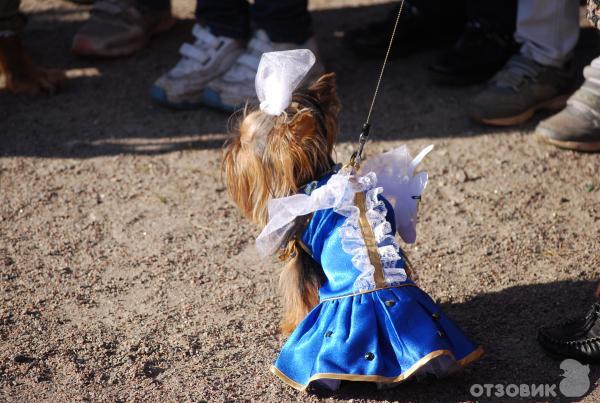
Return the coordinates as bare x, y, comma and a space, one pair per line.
354, 244
402, 189
338, 194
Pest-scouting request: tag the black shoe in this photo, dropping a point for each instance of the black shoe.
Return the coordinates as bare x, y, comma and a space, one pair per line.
416, 30
477, 55
578, 338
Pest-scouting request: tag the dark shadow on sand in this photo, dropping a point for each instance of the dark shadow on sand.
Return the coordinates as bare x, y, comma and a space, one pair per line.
505, 323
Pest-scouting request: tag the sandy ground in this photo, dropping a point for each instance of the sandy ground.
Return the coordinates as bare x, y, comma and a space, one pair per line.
127, 275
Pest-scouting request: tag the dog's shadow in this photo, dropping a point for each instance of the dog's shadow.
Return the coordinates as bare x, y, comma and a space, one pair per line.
505, 323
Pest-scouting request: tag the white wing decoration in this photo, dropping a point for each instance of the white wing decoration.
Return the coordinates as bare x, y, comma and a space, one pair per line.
395, 174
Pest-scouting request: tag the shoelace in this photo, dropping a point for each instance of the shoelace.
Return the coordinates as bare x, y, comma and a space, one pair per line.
516, 72
197, 55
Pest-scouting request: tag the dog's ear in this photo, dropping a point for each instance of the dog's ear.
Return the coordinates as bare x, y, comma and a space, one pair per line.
303, 125
324, 90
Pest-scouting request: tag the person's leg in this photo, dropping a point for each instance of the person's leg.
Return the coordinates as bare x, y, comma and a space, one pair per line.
16, 67
540, 76
283, 20
484, 46
121, 27
424, 24
160, 5
281, 25
228, 18
10, 18
501, 15
548, 30
577, 127
220, 35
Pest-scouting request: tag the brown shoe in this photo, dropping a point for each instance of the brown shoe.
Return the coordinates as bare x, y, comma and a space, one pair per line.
577, 127
119, 28
519, 90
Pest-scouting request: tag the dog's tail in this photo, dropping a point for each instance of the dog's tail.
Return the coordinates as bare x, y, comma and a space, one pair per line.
299, 283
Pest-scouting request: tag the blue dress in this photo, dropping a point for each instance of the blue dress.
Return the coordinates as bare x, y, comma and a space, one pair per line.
365, 332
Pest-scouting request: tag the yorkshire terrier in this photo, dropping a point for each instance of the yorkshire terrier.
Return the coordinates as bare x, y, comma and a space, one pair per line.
274, 156
346, 285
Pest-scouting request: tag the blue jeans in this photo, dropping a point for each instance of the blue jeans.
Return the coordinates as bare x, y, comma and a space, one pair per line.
283, 20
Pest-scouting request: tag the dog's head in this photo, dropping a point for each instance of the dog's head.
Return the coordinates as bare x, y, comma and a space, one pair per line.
273, 156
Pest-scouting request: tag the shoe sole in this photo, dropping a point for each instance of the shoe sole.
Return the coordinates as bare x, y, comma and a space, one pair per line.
569, 145
83, 47
211, 98
554, 104
160, 97
208, 98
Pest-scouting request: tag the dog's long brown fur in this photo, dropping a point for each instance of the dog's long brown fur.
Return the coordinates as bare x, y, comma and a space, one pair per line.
274, 156
299, 284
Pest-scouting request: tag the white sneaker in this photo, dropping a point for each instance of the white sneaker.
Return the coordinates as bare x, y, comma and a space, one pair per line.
204, 60
236, 87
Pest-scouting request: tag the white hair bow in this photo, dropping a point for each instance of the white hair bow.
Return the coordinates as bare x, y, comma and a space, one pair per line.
278, 75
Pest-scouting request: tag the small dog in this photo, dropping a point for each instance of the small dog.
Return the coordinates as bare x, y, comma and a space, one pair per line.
351, 308
274, 156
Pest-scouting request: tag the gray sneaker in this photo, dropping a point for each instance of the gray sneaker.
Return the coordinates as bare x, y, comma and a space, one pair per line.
577, 127
520, 89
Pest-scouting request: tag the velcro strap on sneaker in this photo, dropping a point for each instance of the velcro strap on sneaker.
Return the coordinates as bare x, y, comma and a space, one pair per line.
261, 46
586, 100
205, 36
193, 53
249, 60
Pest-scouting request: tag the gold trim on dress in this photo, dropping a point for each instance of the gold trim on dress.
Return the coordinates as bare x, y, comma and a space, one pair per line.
369, 238
369, 291
473, 356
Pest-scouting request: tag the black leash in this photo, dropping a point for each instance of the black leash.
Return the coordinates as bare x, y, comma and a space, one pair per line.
356, 158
